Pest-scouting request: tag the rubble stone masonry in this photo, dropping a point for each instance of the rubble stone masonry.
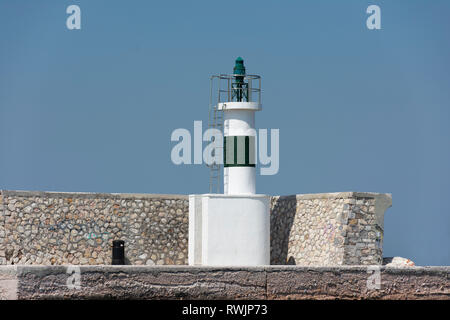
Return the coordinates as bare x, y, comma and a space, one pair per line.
53, 228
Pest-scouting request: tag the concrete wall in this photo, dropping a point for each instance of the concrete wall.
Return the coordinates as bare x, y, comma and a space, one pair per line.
78, 228
229, 230
181, 282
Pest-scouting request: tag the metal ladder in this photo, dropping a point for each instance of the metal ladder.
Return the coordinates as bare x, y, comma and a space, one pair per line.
215, 169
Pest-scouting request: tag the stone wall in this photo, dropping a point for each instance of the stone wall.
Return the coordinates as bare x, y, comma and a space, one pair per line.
181, 282
328, 229
78, 228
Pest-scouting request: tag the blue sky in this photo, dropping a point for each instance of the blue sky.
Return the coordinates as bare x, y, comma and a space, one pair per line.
358, 110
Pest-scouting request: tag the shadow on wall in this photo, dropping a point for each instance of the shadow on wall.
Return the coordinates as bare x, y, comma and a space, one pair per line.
281, 220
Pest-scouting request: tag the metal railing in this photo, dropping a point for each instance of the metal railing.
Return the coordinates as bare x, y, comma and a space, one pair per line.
227, 89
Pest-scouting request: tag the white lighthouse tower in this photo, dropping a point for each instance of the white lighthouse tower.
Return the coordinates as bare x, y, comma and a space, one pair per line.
239, 131
233, 228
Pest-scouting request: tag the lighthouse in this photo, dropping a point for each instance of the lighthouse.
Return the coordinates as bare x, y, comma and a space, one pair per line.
232, 228
239, 131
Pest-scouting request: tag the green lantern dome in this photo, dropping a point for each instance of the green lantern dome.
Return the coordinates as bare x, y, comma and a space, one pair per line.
239, 66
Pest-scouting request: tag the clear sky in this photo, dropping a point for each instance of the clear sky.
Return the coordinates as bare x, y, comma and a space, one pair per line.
358, 110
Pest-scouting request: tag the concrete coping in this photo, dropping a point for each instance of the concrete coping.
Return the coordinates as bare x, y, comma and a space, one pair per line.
226, 283
45, 269
55, 194
338, 195
92, 195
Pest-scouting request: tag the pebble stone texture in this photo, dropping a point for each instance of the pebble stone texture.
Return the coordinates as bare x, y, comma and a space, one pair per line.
50, 228
328, 229
70, 228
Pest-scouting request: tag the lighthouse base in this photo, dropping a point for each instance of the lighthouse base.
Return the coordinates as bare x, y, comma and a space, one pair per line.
229, 230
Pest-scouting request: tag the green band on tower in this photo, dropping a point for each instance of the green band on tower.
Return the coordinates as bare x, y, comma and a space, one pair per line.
239, 151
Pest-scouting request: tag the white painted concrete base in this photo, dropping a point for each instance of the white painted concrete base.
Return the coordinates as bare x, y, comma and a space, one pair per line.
229, 230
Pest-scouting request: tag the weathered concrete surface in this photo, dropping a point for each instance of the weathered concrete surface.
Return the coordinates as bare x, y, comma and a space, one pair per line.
142, 282
8, 283
183, 282
357, 282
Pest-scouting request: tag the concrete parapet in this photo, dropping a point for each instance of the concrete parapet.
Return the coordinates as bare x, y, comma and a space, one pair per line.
182, 282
